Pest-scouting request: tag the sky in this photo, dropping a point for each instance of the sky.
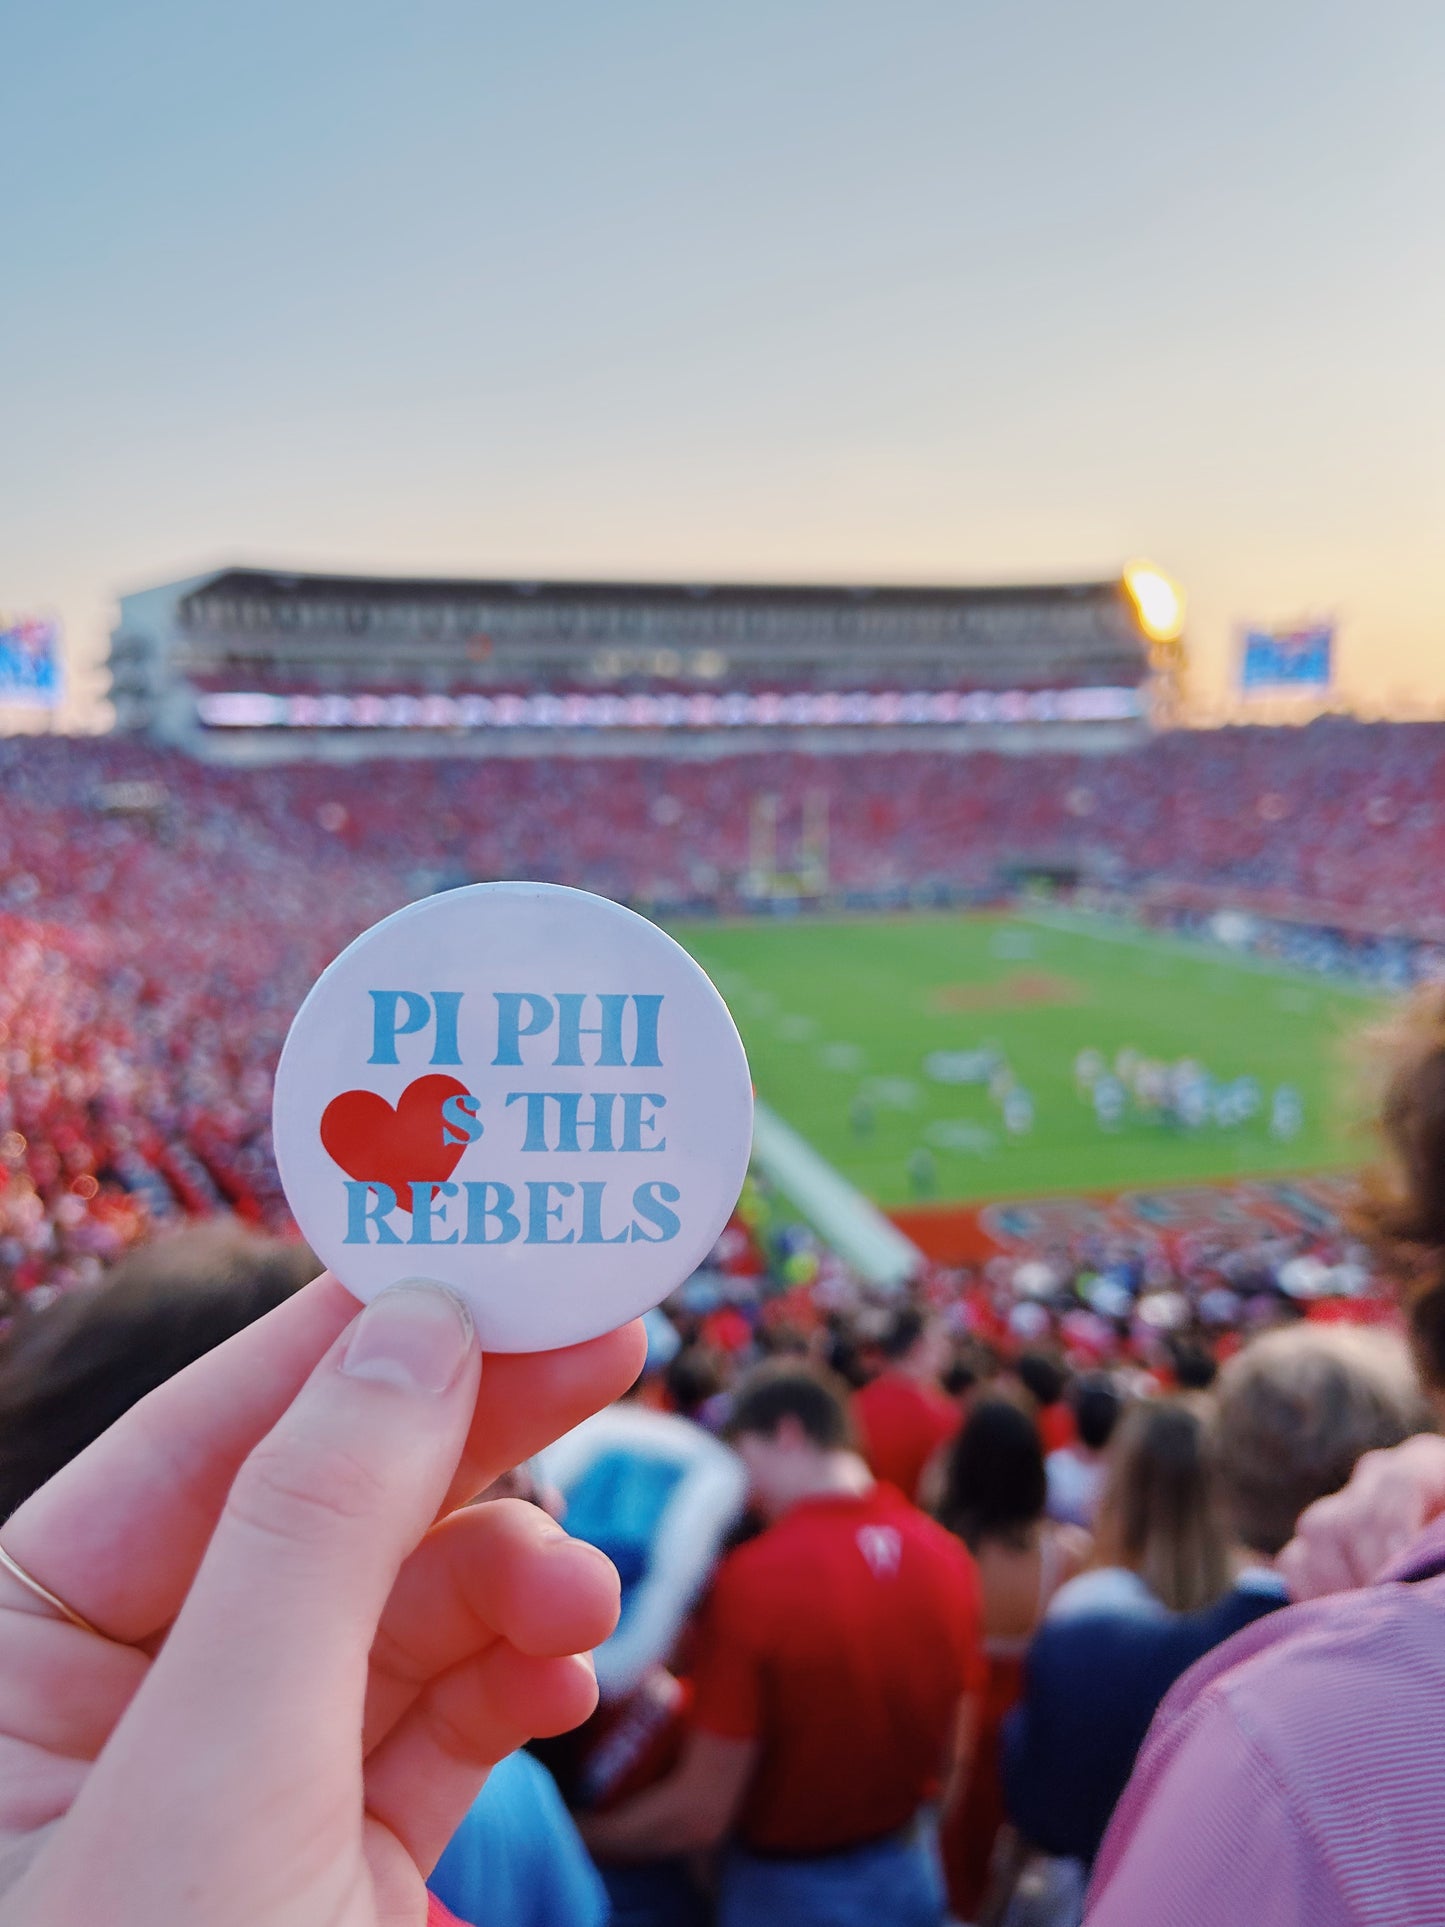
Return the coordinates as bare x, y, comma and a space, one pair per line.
992, 290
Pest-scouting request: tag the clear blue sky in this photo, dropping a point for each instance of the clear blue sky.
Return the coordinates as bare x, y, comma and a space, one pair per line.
967, 291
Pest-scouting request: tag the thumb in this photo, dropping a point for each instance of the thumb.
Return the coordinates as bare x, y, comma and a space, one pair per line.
271, 1646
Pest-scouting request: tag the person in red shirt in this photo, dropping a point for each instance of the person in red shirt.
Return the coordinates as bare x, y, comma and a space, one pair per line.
838, 1659
1046, 1381
902, 1416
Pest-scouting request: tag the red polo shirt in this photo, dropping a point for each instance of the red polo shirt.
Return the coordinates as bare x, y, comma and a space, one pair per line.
841, 1639
901, 1424
1056, 1427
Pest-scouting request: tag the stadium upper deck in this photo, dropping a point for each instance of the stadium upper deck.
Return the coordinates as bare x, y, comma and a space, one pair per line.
250, 665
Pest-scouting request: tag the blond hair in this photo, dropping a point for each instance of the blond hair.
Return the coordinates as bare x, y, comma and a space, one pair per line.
1400, 1211
1157, 1514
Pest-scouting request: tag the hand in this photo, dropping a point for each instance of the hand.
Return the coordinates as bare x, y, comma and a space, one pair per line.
1347, 1539
298, 1681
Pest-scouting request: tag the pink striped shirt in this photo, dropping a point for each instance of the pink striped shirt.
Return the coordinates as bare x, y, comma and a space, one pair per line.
1296, 1776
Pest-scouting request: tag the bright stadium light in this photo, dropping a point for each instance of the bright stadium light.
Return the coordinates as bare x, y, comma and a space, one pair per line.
1158, 602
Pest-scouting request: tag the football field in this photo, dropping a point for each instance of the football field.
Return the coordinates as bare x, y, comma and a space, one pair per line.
891, 1044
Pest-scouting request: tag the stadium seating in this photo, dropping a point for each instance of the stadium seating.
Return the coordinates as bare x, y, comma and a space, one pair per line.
162, 920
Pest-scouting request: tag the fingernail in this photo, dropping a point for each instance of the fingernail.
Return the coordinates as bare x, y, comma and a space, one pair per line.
415, 1336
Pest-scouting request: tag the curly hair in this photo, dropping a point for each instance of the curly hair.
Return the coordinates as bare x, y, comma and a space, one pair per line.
1400, 1209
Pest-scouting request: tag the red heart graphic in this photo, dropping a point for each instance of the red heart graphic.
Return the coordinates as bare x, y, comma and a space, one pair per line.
378, 1144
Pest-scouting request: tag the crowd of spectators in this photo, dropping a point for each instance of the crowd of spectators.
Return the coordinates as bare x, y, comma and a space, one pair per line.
898, 1605
161, 920
1342, 816
905, 1575
1119, 1525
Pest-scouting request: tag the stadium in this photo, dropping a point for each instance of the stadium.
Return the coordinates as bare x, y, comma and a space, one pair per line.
247, 665
1052, 1008
722, 968
941, 848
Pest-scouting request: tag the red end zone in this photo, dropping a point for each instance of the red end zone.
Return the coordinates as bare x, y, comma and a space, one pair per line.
1263, 1207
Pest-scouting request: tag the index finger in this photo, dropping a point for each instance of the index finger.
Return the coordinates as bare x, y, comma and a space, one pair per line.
119, 1533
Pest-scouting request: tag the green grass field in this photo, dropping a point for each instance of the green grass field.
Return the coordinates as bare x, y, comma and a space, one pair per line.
839, 1018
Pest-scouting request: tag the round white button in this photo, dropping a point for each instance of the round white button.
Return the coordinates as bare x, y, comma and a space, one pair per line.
525, 1092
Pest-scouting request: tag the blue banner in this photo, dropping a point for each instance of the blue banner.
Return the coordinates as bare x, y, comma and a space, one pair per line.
30, 661
1288, 658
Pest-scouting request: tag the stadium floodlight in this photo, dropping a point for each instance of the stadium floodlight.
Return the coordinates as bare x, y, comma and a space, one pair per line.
1158, 602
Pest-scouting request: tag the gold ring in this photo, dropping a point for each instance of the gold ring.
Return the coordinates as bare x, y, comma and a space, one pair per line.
17, 1571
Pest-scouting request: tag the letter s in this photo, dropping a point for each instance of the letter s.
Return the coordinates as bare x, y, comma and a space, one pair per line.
460, 1114
650, 1202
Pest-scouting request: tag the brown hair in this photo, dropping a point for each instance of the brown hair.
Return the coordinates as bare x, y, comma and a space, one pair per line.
69, 1370
1157, 1514
782, 1389
1295, 1410
1400, 1212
